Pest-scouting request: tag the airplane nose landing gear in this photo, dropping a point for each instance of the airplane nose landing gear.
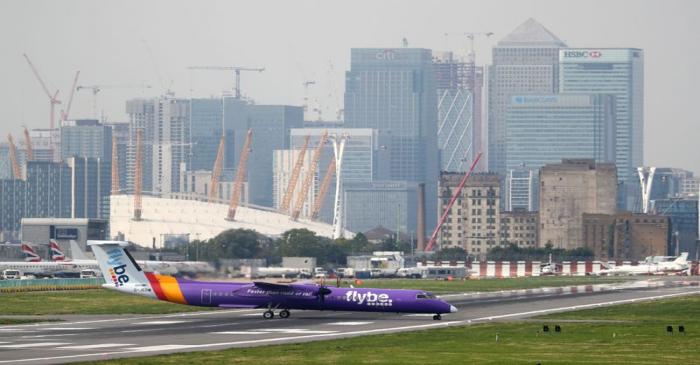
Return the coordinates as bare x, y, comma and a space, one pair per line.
437, 317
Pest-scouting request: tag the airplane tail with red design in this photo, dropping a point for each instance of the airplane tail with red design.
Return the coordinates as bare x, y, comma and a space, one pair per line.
30, 254
56, 253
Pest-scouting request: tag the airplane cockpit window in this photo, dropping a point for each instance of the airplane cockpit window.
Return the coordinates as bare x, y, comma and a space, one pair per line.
425, 296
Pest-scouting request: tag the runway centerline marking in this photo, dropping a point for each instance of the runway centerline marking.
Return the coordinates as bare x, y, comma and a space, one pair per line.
94, 346
36, 344
67, 328
348, 323
161, 322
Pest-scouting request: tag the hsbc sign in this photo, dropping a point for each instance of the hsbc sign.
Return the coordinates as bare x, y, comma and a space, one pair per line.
582, 54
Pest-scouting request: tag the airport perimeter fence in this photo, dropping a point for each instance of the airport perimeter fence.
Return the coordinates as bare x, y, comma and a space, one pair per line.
14, 286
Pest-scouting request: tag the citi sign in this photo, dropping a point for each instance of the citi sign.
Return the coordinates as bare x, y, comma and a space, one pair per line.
582, 54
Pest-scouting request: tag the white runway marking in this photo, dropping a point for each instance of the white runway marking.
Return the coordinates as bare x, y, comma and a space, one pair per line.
418, 315
348, 323
160, 348
239, 333
67, 328
95, 346
16, 330
56, 335
161, 322
252, 314
296, 331
36, 344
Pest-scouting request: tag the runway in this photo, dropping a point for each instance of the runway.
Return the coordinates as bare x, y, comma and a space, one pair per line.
83, 338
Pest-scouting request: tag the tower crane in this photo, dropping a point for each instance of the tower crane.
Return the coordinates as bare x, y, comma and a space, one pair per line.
66, 113
216, 171
97, 88
323, 190
237, 72
240, 175
295, 176
28, 142
53, 99
308, 179
16, 171
138, 175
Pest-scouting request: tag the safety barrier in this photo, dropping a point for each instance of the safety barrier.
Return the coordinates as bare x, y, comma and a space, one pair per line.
11, 286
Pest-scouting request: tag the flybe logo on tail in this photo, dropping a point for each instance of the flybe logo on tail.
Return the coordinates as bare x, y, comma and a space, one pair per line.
118, 269
368, 298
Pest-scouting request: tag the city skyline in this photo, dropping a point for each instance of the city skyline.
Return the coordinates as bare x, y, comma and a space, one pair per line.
293, 50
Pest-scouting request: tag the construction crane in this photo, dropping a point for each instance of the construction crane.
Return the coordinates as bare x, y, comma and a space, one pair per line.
97, 88
309, 178
66, 113
295, 176
240, 175
16, 171
115, 165
28, 142
323, 190
455, 195
216, 171
237, 71
53, 100
138, 175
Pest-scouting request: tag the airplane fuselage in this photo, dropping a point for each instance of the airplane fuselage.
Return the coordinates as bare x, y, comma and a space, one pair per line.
289, 296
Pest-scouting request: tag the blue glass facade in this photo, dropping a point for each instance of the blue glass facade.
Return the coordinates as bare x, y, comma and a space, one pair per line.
684, 223
393, 91
544, 129
90, 187
206, 126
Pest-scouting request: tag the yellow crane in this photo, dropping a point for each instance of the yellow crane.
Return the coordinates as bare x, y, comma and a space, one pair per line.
240, 175
28, 142
323, 190
216, 171
295, 176
16, 171
309, 178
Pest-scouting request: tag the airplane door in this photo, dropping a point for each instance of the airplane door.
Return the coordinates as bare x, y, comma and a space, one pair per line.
206, 296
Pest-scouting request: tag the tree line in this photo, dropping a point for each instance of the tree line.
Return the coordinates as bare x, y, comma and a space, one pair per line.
249, 244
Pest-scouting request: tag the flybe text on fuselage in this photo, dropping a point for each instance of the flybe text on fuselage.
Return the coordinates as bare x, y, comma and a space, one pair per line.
369, 298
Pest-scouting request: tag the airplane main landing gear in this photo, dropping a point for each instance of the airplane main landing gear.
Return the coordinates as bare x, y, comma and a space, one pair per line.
268, 314
437, 317
284, 313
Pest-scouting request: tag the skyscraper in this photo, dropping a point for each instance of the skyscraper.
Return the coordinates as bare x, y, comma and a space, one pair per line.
393, 91
618, 72
526, 61
86, 138
90, 187
206, 127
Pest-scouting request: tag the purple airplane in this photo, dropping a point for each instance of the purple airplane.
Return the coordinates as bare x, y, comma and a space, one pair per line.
122, 273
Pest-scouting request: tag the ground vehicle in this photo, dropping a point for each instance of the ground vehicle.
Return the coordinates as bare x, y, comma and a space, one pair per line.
11, 274
89, 274
346, 272
320, 273
433, 272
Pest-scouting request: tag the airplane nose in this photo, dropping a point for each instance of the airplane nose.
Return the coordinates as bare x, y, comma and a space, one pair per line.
453, 309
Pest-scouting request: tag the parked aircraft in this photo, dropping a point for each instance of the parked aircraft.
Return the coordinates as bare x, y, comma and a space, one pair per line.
651, 267
122, 273
82, 264
32, 264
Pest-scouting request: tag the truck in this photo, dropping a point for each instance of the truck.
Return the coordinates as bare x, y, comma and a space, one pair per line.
386, 263
433, 272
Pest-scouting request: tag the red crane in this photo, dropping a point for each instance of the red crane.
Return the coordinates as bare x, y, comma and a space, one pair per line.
240, 175
456, 194
216, 172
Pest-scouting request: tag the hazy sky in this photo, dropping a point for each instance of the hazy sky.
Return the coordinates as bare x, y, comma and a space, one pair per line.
296, 41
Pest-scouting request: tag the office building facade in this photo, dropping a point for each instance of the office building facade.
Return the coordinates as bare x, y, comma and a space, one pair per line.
618, 72
86, 138
519, 228
683, 215
521, 189
91, 180
526, 61
393, 91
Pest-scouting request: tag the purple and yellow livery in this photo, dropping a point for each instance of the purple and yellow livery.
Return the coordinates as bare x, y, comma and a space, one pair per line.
122, 273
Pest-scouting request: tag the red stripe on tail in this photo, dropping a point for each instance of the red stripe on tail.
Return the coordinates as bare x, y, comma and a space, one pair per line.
155, 284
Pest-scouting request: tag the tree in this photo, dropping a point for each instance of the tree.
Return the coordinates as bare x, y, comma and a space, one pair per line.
450, 254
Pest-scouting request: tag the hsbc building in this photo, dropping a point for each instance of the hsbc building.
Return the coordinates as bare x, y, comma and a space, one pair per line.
618, 72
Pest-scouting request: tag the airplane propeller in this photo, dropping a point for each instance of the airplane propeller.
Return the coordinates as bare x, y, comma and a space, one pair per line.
322, 292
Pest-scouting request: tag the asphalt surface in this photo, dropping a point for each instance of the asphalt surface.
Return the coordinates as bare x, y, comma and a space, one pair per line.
83, 338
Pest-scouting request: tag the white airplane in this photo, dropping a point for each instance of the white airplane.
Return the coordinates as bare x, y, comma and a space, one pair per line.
651, 266
162, 267
32, 264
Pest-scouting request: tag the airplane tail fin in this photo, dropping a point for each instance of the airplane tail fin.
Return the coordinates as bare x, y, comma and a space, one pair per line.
30, 254
76, 252
56, 253
117, 265
682, 259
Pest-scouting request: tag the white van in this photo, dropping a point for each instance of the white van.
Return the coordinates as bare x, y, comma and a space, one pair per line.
89, 274
10, 274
